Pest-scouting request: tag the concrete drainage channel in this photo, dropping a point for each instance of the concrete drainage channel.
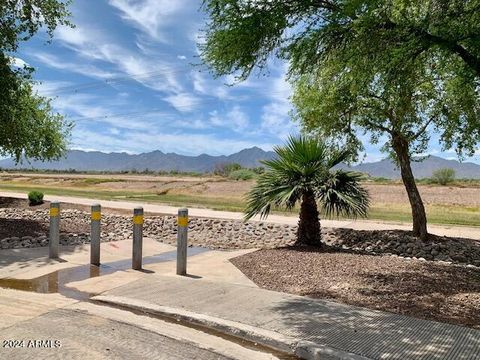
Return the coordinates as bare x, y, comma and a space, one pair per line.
189, 323
266, 341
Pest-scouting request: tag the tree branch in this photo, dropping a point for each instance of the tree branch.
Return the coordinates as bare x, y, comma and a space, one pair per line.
422, 129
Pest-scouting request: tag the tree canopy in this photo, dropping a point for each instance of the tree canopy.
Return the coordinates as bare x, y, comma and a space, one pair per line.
356, 40
400, 68
242, 34
28, 126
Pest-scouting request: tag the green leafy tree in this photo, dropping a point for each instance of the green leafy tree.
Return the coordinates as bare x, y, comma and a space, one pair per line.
368, 65
28, 126
443, 176
405, 111
302, 173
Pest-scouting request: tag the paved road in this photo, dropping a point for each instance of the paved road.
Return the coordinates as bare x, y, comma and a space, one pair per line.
455, 231
79, 334
82, 336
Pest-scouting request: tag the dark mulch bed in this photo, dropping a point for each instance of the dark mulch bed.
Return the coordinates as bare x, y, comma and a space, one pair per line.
22, 227
423, 289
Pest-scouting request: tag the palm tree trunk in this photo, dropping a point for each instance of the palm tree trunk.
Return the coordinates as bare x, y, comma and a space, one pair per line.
308, 232
400, 146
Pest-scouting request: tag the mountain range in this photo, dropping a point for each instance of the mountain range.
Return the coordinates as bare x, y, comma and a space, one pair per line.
157, 160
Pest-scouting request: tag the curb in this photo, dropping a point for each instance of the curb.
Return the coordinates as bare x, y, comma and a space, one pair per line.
303, 349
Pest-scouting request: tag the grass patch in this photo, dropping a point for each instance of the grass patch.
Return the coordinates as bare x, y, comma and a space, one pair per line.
425, 181
436, 214
96, 181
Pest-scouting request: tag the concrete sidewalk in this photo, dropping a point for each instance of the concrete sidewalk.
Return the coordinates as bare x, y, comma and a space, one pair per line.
312, 329
452, 231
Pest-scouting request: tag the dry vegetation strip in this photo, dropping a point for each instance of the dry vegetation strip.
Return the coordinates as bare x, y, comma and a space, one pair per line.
445, 204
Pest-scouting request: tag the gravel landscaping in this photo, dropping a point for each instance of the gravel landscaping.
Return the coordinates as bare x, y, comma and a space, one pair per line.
24, 226
424, 289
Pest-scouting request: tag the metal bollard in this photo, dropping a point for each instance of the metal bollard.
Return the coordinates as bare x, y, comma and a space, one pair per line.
182, 241
137, 238
95, 234
54, 235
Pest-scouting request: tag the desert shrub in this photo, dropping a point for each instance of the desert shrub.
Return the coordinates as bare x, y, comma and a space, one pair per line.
35, 198
242, 174
224, 169
443, 176
258, 170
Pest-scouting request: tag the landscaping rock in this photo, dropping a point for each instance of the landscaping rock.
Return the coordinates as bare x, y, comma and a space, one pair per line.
235, 234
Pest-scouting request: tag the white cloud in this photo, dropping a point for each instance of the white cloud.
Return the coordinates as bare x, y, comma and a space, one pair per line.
17, 62
85, 110
87, 70
235, 119
372, 157
74, 36
210, 87
182, 143
93, 44
276, 120
49, 88
275, 115
238, 118
151, 16
183, 102
181, 57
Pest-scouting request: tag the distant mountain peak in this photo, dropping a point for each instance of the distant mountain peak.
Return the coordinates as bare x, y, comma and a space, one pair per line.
154, 160
251, 157
421, 169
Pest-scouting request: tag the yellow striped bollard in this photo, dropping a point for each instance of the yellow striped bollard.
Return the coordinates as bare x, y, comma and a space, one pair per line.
54, 233
137, 238
182, 234
95, 230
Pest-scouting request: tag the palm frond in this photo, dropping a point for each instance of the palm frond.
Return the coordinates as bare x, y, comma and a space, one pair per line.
270, 191
342, 194
303, 165
338, 156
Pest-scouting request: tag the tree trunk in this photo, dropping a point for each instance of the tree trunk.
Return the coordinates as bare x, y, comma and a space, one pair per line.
400, 146
309, 224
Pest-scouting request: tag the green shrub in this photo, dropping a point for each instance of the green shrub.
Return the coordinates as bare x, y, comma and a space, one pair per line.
258, 170
35, 198
225, 169
443, 176
242, 174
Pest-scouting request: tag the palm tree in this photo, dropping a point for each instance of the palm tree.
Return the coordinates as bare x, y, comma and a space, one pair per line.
302, 172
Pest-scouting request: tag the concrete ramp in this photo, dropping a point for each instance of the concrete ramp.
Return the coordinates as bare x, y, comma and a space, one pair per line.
313, 329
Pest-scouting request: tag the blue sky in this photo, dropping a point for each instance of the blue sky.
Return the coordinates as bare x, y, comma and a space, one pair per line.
125, 77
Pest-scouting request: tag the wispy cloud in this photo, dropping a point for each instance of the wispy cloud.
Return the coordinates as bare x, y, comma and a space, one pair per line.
90, 43
235, 119
151, 16
89, 70
183, 102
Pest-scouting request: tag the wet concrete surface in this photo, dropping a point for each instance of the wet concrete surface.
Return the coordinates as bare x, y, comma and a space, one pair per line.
55, 282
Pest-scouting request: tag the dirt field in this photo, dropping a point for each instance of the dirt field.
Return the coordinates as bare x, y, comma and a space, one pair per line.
445, 204
219, 187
